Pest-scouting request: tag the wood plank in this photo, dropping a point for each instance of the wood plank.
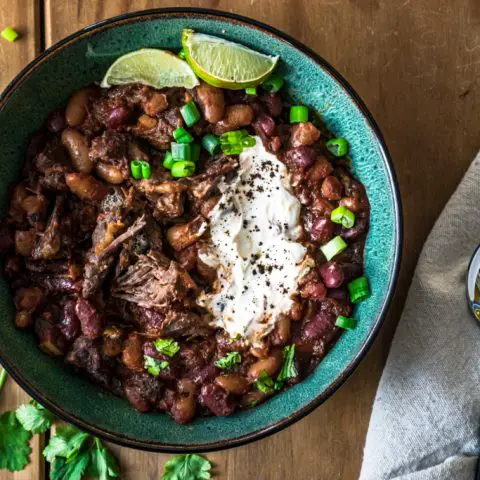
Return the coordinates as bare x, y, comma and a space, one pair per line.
417, 65
23, 15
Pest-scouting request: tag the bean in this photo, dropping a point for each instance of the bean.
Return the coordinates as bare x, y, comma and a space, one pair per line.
332, 274
109, 173
146, 123
56, 121
183, 410
352, 203
235, 116
321, 230
118, 117
23, 319
211, 101
302, 157
132, 355
321, 169
86, 187
282, 333
332, 188
296, 312
24, 242
321, 206
274, 103
217, 400
260, 352
339, 294
358, 229
304, 134
314, 290
265, 124
69, 324
233, 383
77, 147
76, 110
185, 385
319, 326
270, 365
112, 341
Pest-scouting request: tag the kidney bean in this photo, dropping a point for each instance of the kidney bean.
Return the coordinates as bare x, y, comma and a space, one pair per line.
252, 398
339, 294
118, 117
270, 364
217, 400
332, 274
132, 355
304, 134
320, 326
233, 383
211, 101
113, 341
86, 187
29, 298
235, 116
321, 169
265, 124
23, 319
109, 173
332, 188
358, 229
70, 325
183, 410
77, 147
282, 333
314, 290
321, 230
296, 312
91, 322
56, 121
274, 103
206, 374
76, 110
302, 157
25, 242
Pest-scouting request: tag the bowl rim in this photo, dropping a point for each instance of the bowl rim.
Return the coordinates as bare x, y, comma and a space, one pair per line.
123, 440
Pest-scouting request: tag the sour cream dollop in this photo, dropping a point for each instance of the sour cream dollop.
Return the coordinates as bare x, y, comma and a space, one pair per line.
253, 245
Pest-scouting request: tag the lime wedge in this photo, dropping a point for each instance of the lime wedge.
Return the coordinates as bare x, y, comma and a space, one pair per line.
150, 66
225, 64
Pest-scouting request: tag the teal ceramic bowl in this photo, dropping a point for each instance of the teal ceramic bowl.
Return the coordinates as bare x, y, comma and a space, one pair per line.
83, 58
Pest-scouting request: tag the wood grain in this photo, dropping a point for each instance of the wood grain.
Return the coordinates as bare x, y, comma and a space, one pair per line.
23, 15
416, 63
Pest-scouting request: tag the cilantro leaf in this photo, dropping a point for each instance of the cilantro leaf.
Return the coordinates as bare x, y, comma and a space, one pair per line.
289, 370
14, 443
187, 467
67, 443
265, 384
154, 366
34, 417
73, 470
103, 465
167, 346
228, 361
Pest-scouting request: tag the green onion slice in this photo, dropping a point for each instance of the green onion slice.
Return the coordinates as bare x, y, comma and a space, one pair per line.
251, 91
181, 151
182, 136
359, 290
337, 146
346, 323
146, 170
190, 113
211, 144
343, 216
273, 83
168, 160
136, 169
298, 114
9, 34
333, 247
183, 169
182, 54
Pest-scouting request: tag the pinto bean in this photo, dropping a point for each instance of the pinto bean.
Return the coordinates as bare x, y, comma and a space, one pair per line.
29, 298
77, 147
233, 383
260, 352
183, 410
304, 134
187, 386
56, 121
25, 242
320, 169
211, 101
86, 187
332, 188
109, 173
282, 333
352, 203
23, 319
112, 341
235, 116
185, 234
156, 104
76, 110
132, 355
270, 365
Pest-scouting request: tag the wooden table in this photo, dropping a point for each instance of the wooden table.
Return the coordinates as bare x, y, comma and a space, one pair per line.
416, 63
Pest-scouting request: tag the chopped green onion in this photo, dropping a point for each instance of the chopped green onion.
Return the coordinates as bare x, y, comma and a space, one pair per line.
248, 141
233, 143
235, 136
298, 114
136, 169
211, 144
346, 323
190, 113
9, 34
337, 147
146, 170
195, 152
182, 136
343, 216
251, 91
168, 160
182, 54
359, 289
273, 83
181, 151
333, 247
183, 169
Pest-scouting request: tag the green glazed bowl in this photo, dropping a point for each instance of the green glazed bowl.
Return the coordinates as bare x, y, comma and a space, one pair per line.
83, 58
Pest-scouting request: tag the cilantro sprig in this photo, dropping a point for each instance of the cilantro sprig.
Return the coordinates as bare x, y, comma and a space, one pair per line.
34, 417
154, 366
187, 467
228, 361
14, 443
167, 346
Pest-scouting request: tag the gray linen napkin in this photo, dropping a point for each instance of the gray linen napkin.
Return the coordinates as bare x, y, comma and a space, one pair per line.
426, 416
